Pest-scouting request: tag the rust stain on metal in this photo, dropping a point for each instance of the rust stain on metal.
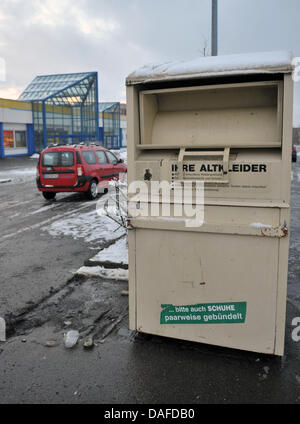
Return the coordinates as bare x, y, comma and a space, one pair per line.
129, 225
280, 232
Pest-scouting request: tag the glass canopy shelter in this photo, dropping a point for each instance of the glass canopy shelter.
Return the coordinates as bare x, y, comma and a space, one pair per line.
65, 108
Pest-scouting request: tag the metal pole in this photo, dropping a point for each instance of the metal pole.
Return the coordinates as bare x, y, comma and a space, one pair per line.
214, 28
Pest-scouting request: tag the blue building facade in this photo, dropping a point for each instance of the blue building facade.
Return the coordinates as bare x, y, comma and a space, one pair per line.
110, 129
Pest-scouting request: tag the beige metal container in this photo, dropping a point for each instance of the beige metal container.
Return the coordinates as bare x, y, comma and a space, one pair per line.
226, 121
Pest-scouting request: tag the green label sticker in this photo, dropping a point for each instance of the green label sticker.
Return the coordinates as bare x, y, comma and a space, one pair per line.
207, 313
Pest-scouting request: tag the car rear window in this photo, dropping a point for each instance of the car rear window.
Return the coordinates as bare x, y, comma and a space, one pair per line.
50, 159
58, 159
89, 157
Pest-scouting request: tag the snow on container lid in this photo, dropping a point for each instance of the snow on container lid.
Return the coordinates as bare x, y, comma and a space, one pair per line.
209, 66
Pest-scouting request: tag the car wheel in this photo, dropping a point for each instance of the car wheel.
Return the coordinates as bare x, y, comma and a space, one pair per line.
92, 192
49, 195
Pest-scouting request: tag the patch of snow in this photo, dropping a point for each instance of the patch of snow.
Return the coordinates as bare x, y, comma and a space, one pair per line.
215, 65
88, 226
260, 226
18, 175
44, 209
121, 154
35, 156
99, 271
116, 253
2, 330
18, 172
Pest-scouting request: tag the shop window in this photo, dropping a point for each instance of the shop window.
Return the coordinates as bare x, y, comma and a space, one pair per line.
20, 139
14, 139
8, 138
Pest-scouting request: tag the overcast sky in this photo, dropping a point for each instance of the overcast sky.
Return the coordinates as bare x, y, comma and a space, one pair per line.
114, 37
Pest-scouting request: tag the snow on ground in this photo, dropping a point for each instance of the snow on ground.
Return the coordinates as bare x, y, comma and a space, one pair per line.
18, 172
116, 253
18, 175
99, 230
44, 209
99, 271
88, 226
121, 154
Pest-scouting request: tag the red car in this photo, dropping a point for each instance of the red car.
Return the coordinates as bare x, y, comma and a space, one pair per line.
76, 168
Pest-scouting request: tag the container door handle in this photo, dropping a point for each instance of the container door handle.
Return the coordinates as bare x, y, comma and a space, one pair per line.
224, 153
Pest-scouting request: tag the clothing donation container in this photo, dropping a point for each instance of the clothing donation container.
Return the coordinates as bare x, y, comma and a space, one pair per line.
220, 127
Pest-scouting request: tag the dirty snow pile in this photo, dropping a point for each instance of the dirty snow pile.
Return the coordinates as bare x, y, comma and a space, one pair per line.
35, 156
116, 253
121, 154
114, 256
100, 271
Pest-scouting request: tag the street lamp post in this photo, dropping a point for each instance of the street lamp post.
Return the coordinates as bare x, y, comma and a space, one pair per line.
214, 28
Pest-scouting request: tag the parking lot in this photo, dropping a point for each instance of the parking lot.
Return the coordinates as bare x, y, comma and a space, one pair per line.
43, 247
